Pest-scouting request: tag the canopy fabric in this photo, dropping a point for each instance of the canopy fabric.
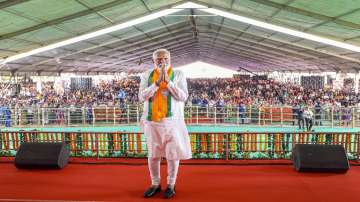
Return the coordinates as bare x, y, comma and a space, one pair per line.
191, 35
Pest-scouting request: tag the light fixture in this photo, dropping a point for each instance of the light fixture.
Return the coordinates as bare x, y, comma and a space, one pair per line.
282, 29
190, 5
93, 34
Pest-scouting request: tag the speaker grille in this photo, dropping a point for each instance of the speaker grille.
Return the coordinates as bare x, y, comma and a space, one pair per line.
320, 158
42, 155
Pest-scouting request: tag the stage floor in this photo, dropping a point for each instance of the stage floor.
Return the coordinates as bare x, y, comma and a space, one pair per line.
115, 182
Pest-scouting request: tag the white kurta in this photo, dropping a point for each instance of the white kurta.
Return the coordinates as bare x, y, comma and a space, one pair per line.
168, 138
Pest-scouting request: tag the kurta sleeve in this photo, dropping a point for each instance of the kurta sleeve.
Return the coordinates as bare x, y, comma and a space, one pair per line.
146, 92
178, 88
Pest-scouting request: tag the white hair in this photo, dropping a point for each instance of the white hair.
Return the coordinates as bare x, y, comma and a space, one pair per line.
155, 54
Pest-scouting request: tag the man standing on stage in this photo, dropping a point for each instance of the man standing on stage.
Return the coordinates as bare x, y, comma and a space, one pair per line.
164, 92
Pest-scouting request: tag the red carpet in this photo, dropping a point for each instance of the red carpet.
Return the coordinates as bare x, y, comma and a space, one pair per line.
96, 182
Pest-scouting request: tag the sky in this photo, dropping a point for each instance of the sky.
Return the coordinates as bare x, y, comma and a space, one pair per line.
204, 70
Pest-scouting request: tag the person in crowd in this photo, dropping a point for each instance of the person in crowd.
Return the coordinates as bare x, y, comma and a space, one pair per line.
318, 112
346, 115
242, 109
300, 116
7, 113
308, 116
122, 96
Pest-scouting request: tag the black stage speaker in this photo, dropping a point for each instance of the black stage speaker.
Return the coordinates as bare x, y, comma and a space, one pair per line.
320, 158
42, 155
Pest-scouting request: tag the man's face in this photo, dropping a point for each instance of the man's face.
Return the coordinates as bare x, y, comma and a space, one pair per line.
162, 59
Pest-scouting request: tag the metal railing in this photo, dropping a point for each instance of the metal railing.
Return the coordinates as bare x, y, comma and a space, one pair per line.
225, 146
130, 114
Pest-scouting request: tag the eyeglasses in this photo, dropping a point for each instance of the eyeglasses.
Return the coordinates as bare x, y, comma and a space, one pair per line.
161, 59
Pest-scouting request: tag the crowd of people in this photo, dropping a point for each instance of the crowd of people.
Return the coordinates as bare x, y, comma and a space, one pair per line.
217, 92
265, 92
104, 94
211, 92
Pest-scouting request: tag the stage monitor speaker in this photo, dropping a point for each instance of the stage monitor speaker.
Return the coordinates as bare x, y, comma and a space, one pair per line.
42, 155
320, 158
